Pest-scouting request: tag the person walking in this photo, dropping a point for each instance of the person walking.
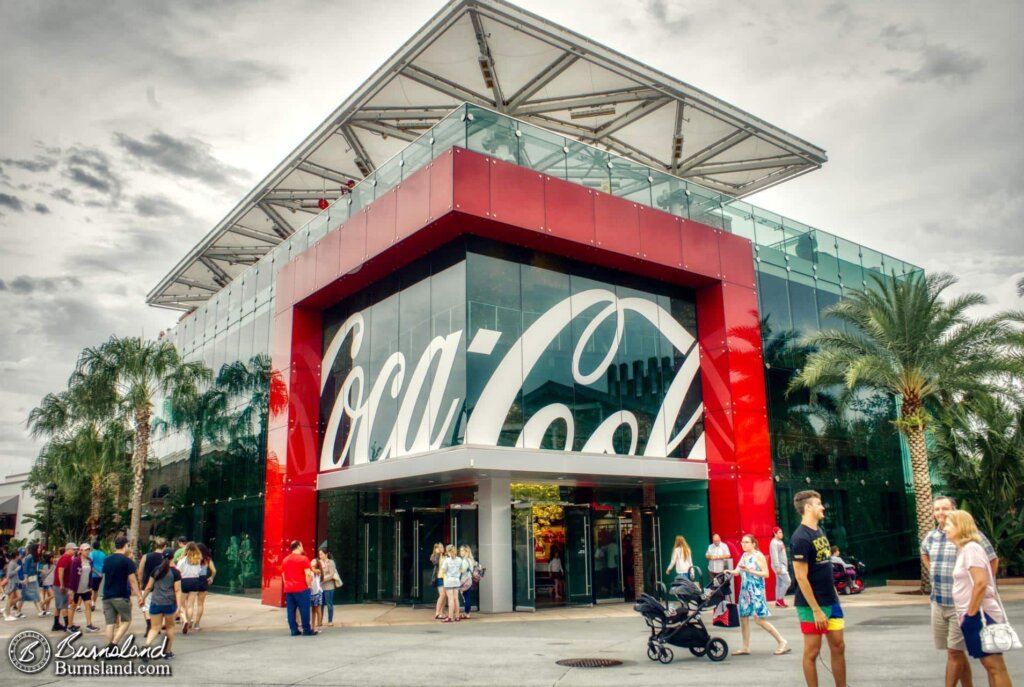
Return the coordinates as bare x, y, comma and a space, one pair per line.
718, 555
81, 581
975, 593
179, 551
436, 557
207, 571
817, 606
316, 594
780, 566
96, 556
46, 570
13, 586
63, 592
190, 565
119, 585
331, 582
297, 575
681, 561
938, 556
165, 589
30, 585
557, 571
451, 568
150, 562
753, 571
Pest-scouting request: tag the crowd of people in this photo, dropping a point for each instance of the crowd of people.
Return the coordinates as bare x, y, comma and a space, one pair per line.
170, 587
961, 561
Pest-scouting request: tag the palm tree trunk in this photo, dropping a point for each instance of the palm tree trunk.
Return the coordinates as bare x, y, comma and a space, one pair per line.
922, 490
139, 457
96, 506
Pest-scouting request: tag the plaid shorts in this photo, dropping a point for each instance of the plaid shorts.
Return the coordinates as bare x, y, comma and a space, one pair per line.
834, 613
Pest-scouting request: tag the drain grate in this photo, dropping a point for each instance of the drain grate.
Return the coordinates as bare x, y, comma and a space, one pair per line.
589, 662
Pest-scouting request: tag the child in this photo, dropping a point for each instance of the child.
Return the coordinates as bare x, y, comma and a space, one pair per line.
316, 594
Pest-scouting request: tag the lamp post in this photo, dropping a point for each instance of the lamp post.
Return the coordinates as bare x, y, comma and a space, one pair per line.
51, 494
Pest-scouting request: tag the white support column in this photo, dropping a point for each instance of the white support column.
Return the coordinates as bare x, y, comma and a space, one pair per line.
495, 523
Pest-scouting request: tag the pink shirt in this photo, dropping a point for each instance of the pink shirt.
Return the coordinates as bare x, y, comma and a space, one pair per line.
973, 556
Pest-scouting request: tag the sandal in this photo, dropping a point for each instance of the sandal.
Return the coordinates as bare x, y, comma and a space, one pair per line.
784, 649
741, 652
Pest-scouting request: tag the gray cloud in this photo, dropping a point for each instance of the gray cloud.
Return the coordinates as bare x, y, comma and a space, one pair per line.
188, 158
937, 62
63, 194
12, 202
40, 163
157, 206
219, 74
41, 208
659, 11
91, 169
25, 285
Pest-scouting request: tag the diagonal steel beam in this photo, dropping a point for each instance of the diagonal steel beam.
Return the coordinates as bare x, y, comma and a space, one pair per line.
486, 61
254, 233
677, 134
625, 119
429, 112
193, 284
733, 139
220, 277
542, 79
356, 145
747, 165
633, 153
625, 95
283, 228
385, 129
443, 85
324, 172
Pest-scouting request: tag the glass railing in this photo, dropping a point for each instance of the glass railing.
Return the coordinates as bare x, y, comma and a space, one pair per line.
777, 240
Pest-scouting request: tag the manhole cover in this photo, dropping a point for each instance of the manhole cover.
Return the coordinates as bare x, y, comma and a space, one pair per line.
589, 662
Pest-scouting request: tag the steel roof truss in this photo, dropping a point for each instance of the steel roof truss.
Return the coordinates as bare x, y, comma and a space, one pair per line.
282, 226
546, 76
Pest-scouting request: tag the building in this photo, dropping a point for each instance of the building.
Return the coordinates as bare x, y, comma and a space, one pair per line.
16, 501
513, 298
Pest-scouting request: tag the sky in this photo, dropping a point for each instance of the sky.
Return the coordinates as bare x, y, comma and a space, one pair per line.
128, 129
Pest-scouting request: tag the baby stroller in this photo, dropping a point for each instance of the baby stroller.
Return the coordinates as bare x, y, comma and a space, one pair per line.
683, 626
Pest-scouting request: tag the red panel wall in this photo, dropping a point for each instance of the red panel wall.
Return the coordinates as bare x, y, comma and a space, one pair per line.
466, 193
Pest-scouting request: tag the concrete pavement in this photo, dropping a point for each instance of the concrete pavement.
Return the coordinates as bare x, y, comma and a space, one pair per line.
888, 639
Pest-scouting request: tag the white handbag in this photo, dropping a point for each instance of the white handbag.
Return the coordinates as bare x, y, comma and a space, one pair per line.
998, 637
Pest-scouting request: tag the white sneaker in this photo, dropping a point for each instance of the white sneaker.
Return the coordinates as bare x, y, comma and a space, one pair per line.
10, 618
42, 614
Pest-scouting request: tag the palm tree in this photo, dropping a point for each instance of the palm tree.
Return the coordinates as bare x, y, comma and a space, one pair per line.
93, 454
264, 390
200, 412
905, 340
132, 373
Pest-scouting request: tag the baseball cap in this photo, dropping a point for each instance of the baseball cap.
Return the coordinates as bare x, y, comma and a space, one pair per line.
776, 530
85, 547
71, 545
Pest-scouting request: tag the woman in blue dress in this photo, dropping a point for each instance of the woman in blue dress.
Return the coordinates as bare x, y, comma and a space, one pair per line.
753, 570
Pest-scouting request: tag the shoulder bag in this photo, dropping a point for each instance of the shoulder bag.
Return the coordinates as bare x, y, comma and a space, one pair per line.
997, 637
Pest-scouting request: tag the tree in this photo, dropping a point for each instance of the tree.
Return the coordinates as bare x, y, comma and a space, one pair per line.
130, 374
263, 390
981, 457
904, 339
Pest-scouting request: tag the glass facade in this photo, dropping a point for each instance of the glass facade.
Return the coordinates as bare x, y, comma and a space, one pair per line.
210, 487
487, 345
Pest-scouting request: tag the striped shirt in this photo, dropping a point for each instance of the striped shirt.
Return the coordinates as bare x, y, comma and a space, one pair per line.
941, 558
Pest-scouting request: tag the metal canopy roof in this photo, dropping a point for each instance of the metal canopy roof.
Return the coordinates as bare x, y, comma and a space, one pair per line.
491, 53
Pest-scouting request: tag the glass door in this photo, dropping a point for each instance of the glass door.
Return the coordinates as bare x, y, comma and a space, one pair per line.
379, 562
650, 532
462, 524
578, 556
608, 582
416, 532
524, 593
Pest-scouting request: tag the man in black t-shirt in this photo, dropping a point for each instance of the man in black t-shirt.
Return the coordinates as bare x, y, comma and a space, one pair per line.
817, 605
150, 563
119, 583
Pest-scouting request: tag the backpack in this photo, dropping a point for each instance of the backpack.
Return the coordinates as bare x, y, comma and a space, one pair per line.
478, 572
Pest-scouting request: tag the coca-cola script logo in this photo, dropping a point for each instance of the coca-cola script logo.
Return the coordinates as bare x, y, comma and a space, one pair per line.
417, 430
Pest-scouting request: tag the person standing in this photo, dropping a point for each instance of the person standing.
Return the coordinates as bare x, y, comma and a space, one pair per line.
974, 594
938, 556
330, 583
718, 555
753, 570
466, 578
81, 579
165, 589
817, 606
436, 557
451, 567
316, 594
119, 585
63, 592
297, 575
682, 560
557, 571
780, 566
150, 563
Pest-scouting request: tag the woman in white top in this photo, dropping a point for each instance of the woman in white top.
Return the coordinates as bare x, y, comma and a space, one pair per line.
681, 561
190, 566
557, 574
451, 568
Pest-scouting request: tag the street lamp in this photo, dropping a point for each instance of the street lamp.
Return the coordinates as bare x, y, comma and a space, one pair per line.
51, 494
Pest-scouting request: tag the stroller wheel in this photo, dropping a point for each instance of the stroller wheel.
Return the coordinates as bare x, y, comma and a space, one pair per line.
665, 655
717, 649
652, 652
698, 651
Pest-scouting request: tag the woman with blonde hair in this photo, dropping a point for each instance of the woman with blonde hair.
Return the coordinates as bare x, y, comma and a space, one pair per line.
451, 568
753, 571
682, 560
974, 593
190, 565
438, 580
466, 578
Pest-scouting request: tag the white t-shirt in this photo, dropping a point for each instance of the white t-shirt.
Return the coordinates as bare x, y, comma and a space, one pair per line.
721, 565
555, 566
682, 564
452, 569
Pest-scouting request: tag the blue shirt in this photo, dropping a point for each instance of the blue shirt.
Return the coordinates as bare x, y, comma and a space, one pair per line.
941, 558
28, 565
97, 557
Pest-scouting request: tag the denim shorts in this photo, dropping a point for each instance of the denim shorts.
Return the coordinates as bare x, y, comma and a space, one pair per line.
165, 609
